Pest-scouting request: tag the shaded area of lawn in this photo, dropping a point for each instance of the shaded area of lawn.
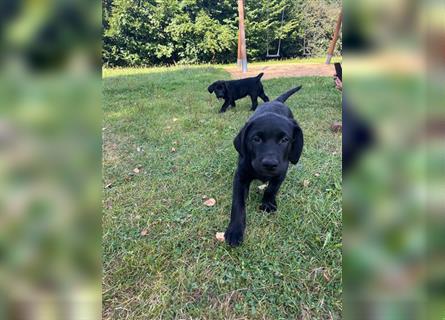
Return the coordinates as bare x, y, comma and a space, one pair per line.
290, 263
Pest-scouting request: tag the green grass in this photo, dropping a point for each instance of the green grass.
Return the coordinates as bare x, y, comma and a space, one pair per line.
315, 60
290, 263
144, 70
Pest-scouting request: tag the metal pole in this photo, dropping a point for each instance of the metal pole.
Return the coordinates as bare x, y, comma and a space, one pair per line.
335, 38
242, 36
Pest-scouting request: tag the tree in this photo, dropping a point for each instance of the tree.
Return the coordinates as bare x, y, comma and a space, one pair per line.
153, 32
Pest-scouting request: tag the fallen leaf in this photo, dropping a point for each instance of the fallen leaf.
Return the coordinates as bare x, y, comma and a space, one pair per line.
173, 149
108, 185
306, 183
136, 170
139, 149
109, 204
210, 202
204, 197
327, 238
175, 119
144, 232
336, 126
317, 174
262, 187
220, 236
326, 276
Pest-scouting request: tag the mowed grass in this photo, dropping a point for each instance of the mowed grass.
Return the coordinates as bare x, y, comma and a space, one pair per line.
289, 266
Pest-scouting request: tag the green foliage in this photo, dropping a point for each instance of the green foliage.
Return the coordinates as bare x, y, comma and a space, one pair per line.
155, 32
317, 27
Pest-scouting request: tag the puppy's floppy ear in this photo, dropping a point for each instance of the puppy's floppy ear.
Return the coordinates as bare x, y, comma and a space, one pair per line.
211, 88
226, 89
223, 84
297, 144
240, 140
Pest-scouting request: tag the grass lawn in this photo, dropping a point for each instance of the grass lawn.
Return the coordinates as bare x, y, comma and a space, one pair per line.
316, 60
160, 256
293, 61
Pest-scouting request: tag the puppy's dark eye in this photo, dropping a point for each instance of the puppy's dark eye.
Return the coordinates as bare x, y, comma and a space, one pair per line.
256, 139
284, 140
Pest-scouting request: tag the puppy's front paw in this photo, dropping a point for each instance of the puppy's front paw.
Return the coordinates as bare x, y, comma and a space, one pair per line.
268, 206
234, 235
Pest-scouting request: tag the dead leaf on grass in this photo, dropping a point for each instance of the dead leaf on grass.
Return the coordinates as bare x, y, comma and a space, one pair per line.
144, 232
173, 149
262, 187
305, 183
109, 204
219, 236
326, 275
336, 126
210, 202
137, 169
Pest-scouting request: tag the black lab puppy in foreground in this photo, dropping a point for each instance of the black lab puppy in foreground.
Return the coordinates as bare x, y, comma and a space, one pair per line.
266, 144
236, 89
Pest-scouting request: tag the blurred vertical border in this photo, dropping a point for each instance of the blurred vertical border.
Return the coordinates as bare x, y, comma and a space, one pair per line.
50, 159
394, 196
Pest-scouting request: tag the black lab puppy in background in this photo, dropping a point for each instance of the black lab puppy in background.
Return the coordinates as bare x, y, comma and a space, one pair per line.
236, 89
266, 144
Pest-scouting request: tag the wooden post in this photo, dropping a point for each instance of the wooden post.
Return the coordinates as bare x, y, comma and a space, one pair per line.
335, 38
238, 61
242, 37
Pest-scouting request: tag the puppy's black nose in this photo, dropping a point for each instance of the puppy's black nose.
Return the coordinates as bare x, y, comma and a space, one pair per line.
269, 164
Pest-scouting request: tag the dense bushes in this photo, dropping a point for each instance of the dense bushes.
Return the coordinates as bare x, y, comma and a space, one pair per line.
151, 32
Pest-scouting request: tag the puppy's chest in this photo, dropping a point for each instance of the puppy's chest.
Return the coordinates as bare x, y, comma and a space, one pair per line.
263, 178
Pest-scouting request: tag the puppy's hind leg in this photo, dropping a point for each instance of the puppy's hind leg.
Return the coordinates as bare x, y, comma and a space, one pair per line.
232, 103
254, 102
268, 203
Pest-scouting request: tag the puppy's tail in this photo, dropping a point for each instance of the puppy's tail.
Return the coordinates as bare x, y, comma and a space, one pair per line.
287, 94
259, 76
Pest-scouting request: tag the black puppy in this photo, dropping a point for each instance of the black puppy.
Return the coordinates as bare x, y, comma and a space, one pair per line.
267, 142
236, 89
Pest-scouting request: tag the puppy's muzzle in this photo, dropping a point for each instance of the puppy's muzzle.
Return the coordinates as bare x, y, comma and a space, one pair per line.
269, 164
219, 95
